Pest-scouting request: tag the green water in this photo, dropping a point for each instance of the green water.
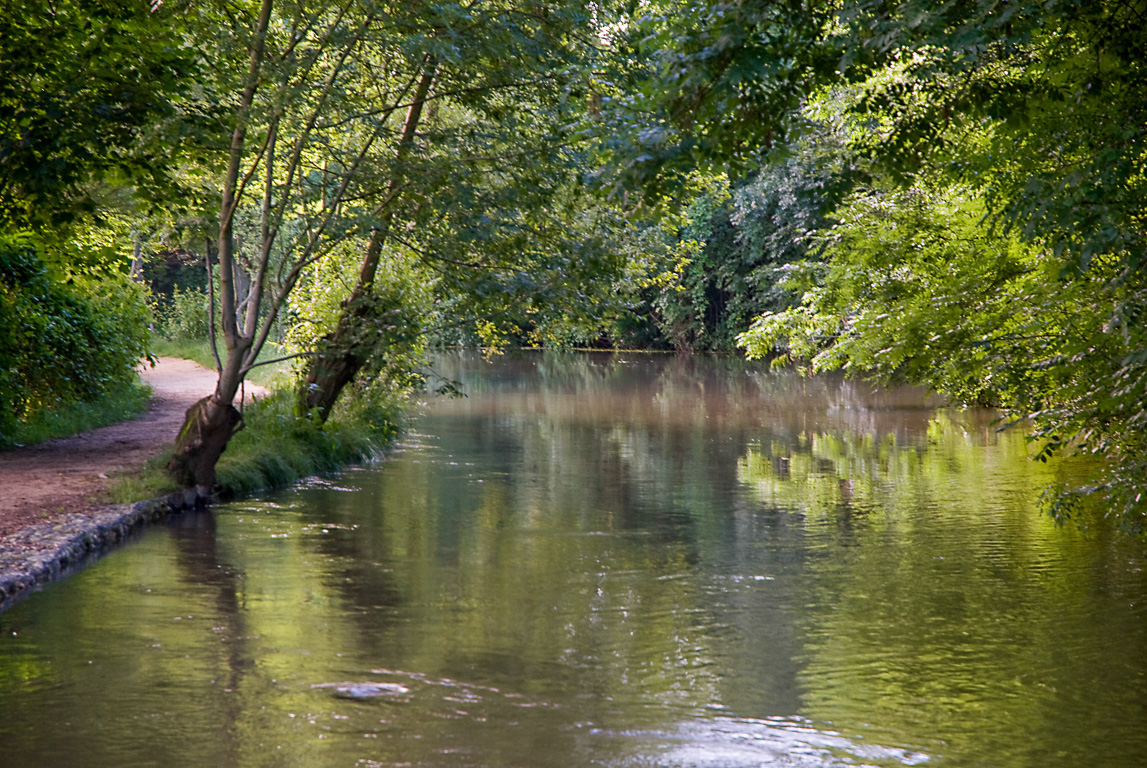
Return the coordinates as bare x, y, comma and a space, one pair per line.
600, 560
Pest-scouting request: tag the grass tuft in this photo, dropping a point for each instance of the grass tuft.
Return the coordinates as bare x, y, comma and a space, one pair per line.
151, 482
277, 448
73, 418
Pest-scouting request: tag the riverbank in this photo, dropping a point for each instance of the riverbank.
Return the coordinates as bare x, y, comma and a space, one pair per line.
54, 504
55, 508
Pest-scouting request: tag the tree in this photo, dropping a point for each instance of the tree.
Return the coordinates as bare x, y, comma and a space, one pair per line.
371, 125
1025, 127
476, 188
88, 91
297, 62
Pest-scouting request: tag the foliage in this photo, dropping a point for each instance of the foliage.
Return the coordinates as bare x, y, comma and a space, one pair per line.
65, 335
392, 331
296, 116
184, 318
725, 262
527, 260
1040, 105
1054, 96
915, 288
85, 89
710, 83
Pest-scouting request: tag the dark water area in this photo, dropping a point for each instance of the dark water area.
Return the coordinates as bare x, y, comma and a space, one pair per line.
610, 560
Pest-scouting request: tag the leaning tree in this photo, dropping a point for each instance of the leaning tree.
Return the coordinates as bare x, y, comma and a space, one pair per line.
444, 129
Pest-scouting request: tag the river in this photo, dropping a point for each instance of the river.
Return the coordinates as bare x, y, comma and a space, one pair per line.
610, 560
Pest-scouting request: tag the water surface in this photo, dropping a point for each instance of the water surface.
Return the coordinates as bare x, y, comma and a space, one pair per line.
609, 560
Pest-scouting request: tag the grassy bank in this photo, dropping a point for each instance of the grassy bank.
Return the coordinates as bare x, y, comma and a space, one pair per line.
73, 418
276, 449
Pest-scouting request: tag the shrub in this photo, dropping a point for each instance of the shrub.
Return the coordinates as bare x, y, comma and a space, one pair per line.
66, 336
185, 317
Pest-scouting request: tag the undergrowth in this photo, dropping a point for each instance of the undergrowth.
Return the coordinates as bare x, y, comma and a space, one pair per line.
73, 418
276, 448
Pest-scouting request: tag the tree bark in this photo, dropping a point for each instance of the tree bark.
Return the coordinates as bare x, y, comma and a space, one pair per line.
338, 362
207, 428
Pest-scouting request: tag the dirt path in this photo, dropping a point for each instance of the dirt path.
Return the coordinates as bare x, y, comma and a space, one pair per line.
72, 474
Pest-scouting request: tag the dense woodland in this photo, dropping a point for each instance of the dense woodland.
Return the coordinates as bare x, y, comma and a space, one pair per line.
952, 194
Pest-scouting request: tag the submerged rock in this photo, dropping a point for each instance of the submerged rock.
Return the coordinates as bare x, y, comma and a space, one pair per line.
364, 690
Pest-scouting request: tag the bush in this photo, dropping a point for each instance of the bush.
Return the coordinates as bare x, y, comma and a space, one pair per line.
65, 336
185, 317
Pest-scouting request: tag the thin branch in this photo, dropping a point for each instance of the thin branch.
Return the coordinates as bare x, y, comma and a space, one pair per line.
298, 36
247, 368
259, 340
226, 215
301, 140
211, 306
436, 257
225, 390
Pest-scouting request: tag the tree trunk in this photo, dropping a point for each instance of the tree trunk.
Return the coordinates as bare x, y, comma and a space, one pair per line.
340, 355
208, 426
328, 375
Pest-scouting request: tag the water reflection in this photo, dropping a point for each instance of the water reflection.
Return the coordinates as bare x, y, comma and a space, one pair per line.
617, 561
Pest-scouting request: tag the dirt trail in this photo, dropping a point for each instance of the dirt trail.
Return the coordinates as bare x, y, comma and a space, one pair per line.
72, 474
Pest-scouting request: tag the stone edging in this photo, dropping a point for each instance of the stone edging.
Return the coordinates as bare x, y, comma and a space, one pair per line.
41, 553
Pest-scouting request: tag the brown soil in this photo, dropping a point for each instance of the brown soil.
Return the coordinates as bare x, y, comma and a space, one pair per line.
73, 474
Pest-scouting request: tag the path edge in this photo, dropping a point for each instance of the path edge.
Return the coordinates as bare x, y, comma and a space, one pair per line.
42, 553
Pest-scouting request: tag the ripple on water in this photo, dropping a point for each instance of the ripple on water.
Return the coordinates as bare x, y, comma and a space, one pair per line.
745, 743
